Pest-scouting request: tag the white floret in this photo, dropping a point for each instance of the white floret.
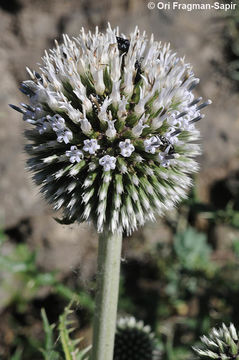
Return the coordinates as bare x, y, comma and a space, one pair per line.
108, 162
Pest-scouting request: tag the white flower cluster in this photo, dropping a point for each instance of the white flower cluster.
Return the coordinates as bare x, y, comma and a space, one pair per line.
113, 128
222, 343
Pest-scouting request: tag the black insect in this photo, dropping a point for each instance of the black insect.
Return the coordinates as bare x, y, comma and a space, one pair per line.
165, 144
38, 76
138, 69
123, 44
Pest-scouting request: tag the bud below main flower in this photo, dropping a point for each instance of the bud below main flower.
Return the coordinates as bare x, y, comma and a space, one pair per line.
135, 341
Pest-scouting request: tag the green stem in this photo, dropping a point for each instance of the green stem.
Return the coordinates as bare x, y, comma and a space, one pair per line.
109, 255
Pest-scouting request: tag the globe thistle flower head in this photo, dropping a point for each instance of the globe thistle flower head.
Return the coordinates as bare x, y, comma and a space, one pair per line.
113, 126
134, 341
221, 343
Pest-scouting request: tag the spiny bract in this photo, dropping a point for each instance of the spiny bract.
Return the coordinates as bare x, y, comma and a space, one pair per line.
221, 344
134, 341
113, 128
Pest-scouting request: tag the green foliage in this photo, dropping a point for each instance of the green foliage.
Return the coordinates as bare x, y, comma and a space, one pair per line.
228, 215
68, 348
48, 352
125, 302
2, 236
22, 279
21, 282
192, 249
236, 247
17, 355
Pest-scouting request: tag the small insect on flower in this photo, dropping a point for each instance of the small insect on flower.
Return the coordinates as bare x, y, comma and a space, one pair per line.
113, 125
123, 44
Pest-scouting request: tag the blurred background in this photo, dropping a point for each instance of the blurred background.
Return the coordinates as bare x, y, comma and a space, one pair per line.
181, 274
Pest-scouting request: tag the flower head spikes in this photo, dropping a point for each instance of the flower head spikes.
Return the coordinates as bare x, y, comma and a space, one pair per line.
221, 343
113, 128
134, 341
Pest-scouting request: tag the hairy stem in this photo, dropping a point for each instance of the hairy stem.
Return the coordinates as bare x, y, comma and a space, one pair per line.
109, 255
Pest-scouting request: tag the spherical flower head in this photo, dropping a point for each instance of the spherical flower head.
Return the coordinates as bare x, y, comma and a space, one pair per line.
113, 128
221, 343
134, 341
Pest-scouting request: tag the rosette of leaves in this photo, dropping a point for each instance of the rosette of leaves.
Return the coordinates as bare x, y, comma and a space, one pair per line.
112, 137
221, 344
